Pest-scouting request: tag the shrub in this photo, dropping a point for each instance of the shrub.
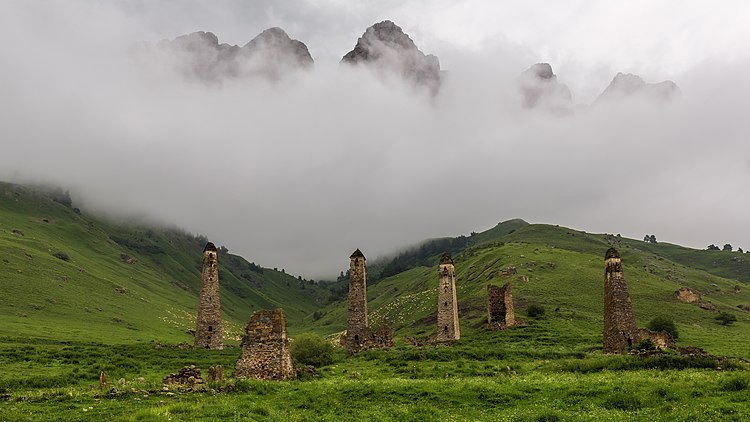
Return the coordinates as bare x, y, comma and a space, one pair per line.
725, 318
61, 255
534, 310
735, 384
311, 349
662, 323
645, 344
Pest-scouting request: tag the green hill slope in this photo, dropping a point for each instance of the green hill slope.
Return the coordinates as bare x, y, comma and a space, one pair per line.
69, 276
563, 270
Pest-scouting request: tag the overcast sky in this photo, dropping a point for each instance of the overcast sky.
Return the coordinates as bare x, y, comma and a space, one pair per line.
298, 174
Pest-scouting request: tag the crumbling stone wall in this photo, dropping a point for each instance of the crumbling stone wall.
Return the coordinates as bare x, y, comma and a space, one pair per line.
447, 312
500, 313
359, 336
208, 331
265, 348
620, 331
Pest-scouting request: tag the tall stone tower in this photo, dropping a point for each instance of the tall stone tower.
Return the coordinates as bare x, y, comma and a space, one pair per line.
357, 331
620, 331
447, 314
265, 348
208, 333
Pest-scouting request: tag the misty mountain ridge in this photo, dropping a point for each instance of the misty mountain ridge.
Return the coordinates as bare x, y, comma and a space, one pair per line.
271, 55
384, 46
540, 88
628, 85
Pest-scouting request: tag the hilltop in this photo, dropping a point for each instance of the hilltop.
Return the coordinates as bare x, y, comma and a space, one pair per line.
71, 276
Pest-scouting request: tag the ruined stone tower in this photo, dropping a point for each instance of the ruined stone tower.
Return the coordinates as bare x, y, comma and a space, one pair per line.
447, 314
357, 331
208, 333
265, 348
500, 313
620, 331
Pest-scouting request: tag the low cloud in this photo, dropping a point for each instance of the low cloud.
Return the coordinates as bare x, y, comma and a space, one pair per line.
298, 173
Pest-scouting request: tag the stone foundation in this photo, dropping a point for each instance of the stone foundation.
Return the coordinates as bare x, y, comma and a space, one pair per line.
265, 348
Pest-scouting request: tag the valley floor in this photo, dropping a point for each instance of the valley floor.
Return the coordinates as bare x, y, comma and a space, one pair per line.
473, 380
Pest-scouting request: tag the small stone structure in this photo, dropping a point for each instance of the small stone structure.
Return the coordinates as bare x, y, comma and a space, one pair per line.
208, 332
187, 375
265, 348
500, 313
447, 312
359, 336
620, 331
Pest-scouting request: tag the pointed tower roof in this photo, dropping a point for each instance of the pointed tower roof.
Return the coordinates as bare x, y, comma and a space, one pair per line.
357, 254
210, 247
611, 253
446, 259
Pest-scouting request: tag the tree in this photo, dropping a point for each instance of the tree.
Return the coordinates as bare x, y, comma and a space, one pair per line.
712, 247
740, 250
652, 239
727, 248
647, 238
662, 323
535, 310
725, 318
311, 349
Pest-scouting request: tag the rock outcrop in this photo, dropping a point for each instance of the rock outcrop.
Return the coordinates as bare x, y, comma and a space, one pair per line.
386, 48
541, 89
271, 54
625, 85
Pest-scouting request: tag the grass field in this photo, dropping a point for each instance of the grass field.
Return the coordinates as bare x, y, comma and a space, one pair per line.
84, 295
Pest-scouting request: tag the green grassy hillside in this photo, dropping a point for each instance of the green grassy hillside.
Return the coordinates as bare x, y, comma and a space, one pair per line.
70, 276
565, 271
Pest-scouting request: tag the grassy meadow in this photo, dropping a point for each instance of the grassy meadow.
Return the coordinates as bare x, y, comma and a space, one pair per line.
83, 295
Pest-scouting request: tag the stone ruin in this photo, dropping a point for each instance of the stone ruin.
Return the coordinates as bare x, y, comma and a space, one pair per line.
359, 336
187, 375
265, 348
661, 339
620, 331
208, 332
687, 295
500, 313
447, 312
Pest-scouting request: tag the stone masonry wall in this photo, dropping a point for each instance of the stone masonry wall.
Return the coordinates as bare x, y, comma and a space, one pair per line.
447, 312
620, 331
500, 314
208, 331
265, 348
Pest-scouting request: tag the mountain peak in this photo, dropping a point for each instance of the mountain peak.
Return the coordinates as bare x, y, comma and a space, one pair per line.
540, 88
386, 47
627, 84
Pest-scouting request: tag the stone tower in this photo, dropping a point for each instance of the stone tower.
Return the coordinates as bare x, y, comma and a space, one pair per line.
208, 333
357, 330
447, 314
620, 331
265, 348
500, 313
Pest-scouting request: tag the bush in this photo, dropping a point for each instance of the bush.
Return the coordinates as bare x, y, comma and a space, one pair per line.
534, 311
735, 384
61, 255
662, 323
725, 318
645, 344
311, 349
